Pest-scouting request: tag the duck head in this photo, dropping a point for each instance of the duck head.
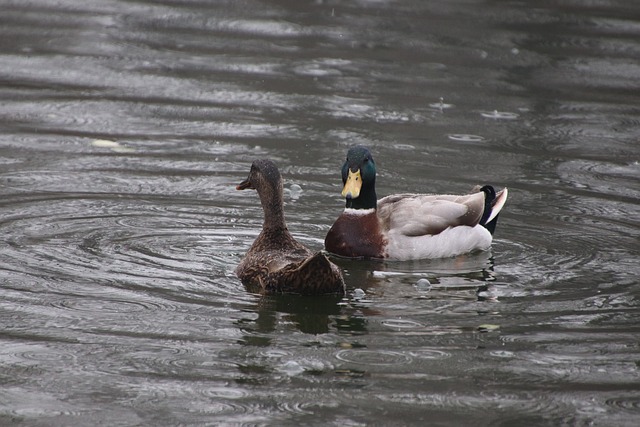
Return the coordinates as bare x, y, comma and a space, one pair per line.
264, 174
359, 179
265, 178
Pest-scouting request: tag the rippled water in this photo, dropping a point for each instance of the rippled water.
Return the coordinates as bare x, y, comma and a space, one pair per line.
125, 125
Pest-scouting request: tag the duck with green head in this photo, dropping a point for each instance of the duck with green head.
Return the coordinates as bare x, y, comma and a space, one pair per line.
409, 226
276, 262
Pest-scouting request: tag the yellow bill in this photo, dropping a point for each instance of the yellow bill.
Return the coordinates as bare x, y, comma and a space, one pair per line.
353, 185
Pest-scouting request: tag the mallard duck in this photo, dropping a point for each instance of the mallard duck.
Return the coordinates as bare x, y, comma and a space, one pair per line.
276, 262
408, 226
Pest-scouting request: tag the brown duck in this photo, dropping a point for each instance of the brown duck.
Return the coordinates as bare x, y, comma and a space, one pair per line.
276, 262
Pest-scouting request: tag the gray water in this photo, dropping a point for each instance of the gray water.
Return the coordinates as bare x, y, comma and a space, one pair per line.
125, 125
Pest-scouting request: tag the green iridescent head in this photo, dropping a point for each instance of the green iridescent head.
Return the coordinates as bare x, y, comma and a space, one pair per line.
359, 179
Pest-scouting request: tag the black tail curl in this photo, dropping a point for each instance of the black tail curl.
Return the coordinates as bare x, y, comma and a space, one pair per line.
490, 197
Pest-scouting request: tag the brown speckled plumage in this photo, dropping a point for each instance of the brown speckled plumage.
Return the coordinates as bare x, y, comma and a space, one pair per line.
276, 262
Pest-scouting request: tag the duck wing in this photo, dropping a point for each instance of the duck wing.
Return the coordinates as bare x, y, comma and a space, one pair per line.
429, 214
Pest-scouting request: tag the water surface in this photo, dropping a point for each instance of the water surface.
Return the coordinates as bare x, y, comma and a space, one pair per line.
125, 125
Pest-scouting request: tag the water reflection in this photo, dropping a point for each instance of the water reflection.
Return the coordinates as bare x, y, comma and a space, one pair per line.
308, 315
466, 278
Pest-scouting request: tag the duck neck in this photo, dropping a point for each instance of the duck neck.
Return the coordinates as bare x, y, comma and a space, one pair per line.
272, 205
366, 200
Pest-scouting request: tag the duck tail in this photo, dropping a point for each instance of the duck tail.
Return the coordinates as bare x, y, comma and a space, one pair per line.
493, 204
323, 276
315, 275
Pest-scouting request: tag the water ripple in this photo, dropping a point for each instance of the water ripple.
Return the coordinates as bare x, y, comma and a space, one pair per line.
486, 402
198, 397
604, 178
430, 354
499, 115
258, 27
104, 305
402, 324
628, 403
373, 357
34, 354
463, 137
18, 404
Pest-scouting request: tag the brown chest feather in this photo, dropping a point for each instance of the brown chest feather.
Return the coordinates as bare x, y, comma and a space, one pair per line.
356, 236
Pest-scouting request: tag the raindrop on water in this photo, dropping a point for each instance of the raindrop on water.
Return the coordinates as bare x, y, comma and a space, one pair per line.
113, 145
291, 368
463, 137
423, 285
495, 114
440, 105
295, 191
358, 294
